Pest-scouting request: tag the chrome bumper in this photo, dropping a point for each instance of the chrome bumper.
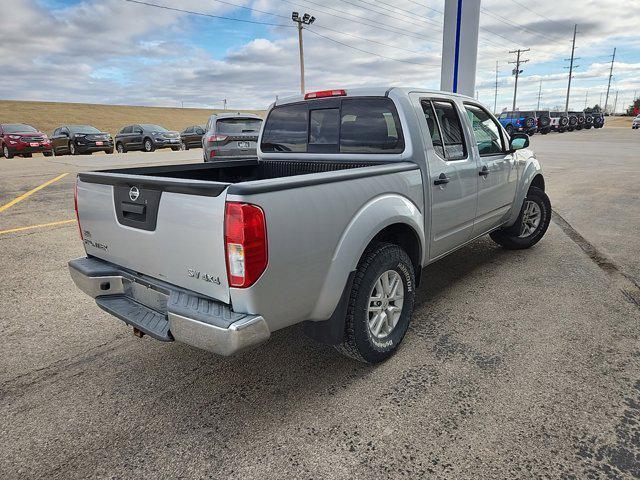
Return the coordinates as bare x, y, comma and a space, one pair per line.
166, 313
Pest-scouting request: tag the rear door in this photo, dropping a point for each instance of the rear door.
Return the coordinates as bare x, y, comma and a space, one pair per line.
135, 138
453, 176
497, 175
168, 229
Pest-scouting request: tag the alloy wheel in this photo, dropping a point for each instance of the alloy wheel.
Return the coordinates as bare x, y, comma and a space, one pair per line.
385, 304
531, 217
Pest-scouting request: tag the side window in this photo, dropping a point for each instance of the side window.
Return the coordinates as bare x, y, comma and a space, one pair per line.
286, 129
137, 129
189, 130
502, 116
127, 130
65, 131
56, 132
370, 125
434, 130
199, 131
485, 131
451, 128
323, 130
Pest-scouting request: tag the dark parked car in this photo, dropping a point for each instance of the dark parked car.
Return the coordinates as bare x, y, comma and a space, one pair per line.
191, 137
23, 140
231, 135
77, 139
146, 137
598, 119
573, 121
581, 120
544, 121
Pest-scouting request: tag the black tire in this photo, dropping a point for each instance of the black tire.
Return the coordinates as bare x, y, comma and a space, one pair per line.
27, 155
48, 154
176, 149
529, 122
147, 145
109, 152
509, 237
358, 342
509, 129
6, 153
72, 149
184, 146
120, 148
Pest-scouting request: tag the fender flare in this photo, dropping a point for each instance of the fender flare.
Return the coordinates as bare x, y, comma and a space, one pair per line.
373, 217
531, 170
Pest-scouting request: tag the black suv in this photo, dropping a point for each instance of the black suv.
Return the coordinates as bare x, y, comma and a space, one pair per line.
544, 121
77, 139
146, 137
581, 120
191, 137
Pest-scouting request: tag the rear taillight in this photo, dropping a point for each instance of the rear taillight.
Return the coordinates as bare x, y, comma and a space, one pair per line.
217, 138
75, 206
212, 153
245, 241
325, 93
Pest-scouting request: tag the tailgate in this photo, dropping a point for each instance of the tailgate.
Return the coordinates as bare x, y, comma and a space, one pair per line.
169, 229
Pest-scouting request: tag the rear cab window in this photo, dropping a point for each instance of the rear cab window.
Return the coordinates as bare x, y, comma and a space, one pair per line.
336, 125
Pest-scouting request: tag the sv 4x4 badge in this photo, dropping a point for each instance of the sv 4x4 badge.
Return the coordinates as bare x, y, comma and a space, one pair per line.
203, 276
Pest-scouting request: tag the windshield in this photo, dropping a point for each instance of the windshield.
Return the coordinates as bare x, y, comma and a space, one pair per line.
18, 128
155, 128
83, 129
229, 126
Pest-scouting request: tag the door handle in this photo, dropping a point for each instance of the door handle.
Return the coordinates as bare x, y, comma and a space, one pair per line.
441, 180
484, 172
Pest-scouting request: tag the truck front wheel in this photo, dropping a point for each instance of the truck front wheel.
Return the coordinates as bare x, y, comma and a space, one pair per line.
380, 304
531, 225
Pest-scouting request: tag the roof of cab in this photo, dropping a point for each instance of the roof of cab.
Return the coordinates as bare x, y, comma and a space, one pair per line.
373, 92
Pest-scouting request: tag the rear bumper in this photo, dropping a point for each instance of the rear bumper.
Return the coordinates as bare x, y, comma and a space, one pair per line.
166, 312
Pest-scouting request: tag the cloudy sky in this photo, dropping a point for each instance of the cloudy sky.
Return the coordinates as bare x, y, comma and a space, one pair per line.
116, 51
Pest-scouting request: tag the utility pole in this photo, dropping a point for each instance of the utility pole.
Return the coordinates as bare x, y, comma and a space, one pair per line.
517, 72
306, 19
224, 104
495, 96
539, 94
615, 103
613, 59
573, 48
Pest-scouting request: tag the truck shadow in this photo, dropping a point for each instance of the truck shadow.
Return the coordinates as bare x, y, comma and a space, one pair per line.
291, 372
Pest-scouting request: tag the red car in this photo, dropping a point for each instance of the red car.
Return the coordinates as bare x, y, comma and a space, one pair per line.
20, 139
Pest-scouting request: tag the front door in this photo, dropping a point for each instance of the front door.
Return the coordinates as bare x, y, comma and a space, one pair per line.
497, 176
452, 175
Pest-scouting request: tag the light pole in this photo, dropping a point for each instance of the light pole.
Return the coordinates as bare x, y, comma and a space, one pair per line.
306, 19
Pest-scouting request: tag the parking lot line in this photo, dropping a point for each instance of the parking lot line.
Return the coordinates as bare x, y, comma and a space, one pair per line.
31, 192
40, 225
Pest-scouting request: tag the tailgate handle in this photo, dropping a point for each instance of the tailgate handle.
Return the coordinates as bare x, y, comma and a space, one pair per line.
134, 208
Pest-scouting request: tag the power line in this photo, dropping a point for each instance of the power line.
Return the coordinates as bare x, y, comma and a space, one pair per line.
506, 21
372, 23
426, 6
219, 17
319, 26
538, 14
367, 51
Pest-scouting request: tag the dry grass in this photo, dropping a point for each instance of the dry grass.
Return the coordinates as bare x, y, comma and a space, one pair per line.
47, 116
618, 122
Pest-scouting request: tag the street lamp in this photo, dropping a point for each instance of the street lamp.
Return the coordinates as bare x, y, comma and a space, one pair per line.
306, 19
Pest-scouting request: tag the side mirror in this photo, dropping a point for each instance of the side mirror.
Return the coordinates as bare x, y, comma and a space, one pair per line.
519, 141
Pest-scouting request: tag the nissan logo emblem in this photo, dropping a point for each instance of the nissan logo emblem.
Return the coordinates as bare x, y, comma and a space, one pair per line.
134, 193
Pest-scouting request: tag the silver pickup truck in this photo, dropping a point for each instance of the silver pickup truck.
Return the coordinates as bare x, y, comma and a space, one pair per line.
351, 195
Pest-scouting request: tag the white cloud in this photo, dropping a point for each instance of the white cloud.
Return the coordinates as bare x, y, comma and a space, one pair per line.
113, 51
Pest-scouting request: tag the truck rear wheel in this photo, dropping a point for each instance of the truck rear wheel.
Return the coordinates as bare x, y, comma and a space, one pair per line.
531, 225
380, 304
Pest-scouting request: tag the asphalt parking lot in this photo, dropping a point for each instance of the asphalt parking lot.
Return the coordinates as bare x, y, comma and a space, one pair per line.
517, 364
